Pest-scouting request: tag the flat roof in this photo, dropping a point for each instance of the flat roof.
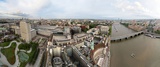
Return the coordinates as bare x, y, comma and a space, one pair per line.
81, 34
60, 37
46, 27
2, 28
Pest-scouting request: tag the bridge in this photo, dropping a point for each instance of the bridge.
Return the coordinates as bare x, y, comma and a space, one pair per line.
125, 37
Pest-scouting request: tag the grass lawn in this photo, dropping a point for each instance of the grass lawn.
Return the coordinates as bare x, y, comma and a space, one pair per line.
9, 53
4, 44
32, 55
23, 64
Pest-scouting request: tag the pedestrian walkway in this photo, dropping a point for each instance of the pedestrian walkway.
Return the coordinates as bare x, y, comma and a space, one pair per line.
3, 59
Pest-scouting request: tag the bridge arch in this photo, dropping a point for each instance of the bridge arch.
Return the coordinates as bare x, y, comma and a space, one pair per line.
136, 35
131, 36
126, 38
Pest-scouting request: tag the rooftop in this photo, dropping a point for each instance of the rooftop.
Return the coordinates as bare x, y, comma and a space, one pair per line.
80, 34
60, 37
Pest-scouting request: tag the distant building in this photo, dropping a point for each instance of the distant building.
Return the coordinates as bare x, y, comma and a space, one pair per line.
25, 30
157, 26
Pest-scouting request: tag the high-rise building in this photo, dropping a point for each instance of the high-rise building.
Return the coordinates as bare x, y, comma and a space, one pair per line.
25, 31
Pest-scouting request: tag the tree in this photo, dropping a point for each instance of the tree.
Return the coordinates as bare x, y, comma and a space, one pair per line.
92, 25
158, 31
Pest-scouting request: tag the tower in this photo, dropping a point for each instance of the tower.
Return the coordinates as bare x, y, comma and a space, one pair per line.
25, 31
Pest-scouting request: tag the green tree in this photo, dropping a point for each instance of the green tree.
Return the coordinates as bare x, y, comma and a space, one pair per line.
92, 25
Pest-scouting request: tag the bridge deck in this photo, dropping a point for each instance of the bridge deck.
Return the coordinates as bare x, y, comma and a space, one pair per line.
125, 36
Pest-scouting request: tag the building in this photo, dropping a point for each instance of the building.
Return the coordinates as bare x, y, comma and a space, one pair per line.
16, 29
44, 32
66, 30
104, 29
80, 37
33, 33
81, 58
157, 26
93, 31
76, 29
2, 30
57, 62
62, 40
26, 32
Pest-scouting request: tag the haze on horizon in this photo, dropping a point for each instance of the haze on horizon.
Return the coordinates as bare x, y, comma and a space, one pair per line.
86, 9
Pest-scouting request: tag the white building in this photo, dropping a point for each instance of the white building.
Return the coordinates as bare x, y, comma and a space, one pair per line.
104, 29
44, 32
26, 32
33, 33
94, 31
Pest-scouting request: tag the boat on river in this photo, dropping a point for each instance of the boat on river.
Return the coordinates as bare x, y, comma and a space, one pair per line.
149, 35
132, 55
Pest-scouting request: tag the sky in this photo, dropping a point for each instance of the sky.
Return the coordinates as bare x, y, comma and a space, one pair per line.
80, 9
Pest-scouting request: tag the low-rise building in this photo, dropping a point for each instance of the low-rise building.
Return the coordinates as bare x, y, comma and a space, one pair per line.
94, 31
16, 29
80, 37
104, 29
62, 40
57, 62
44, 32
76, 29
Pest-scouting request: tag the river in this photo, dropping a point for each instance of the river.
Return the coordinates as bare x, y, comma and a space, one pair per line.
146, 50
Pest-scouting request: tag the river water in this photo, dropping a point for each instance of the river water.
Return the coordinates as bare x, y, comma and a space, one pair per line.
146, 50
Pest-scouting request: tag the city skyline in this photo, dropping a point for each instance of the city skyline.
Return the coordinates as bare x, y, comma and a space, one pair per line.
80, 9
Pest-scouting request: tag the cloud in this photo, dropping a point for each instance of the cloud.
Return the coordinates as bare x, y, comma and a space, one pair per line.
136, 7
139, 8
21, 7
14, 15
81, 8
99, 9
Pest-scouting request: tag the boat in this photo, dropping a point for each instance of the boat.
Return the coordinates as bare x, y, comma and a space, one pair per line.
158, 37
150, 35
132, 55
